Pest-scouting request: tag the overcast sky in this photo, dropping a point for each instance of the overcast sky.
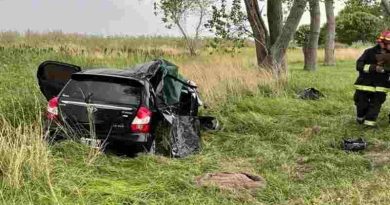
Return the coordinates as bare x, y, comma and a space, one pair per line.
101, 17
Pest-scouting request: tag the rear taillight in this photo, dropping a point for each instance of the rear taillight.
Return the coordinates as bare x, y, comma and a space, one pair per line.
52, 109
141, 122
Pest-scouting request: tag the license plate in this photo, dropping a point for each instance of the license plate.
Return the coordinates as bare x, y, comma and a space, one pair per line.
94, 143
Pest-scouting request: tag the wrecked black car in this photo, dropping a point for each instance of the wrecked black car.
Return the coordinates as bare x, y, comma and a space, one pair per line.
130, 107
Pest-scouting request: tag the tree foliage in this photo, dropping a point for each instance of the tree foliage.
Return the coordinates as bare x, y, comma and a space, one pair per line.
357, 26
368, 6
175, 14
360, 20
301, 37
230, 26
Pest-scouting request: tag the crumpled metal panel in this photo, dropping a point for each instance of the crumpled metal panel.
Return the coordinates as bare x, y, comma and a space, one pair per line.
185, 136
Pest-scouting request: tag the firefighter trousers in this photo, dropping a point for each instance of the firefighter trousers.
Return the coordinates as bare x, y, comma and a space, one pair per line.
368, 105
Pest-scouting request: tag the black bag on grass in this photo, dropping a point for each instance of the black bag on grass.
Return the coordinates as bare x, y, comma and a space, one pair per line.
310, 94
354, 144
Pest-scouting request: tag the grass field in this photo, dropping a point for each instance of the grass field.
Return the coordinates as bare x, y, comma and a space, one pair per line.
293, 144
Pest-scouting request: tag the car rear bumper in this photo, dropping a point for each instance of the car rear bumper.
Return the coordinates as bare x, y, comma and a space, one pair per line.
129, 138
134, 137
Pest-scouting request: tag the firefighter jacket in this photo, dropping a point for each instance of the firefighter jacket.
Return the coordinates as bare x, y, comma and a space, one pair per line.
368, 80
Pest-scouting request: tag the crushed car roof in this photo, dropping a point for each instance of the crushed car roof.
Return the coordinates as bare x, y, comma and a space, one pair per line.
162, 75
144, 71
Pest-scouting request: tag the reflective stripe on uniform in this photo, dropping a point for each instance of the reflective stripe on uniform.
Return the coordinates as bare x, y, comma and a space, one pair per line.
382, 89
366, 68
365, 88
372, 88
369, 123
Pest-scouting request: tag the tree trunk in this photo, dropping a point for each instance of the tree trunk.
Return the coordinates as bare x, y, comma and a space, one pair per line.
187, 39
275, 19
275, 22
260, 33
330, 59
305, 57
273, 55
312, 44
278, 49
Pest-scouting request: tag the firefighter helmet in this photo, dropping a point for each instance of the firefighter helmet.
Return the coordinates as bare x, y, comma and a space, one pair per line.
386, 37
382, 36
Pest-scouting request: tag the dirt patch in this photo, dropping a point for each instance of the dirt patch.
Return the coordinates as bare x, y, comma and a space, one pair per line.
379, 159
309, 132
298, 170
379, 155
301, 170
231, 181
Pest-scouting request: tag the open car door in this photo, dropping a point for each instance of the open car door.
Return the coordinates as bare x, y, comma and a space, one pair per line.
53, 76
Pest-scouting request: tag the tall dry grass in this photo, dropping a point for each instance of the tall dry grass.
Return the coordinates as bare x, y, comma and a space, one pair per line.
24, 155
219, 77
342, 54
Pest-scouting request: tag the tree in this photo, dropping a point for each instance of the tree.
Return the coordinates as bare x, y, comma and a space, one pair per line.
357, 26
301, 36
270, 44
330, 59
303, 32
385, 4
310, 49
368, 6
176, 12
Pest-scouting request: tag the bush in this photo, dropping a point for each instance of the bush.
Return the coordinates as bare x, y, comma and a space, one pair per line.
358, 26
302, 35
322, 38
338, 45
361, 44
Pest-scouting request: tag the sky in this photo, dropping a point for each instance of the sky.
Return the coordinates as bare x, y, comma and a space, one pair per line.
98, 17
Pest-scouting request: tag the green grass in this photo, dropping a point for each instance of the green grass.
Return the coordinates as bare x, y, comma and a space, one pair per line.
271, 134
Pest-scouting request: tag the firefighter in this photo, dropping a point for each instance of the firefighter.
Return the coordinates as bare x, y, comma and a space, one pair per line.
372, 83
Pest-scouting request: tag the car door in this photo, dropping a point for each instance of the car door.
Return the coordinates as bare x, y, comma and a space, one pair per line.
53, 76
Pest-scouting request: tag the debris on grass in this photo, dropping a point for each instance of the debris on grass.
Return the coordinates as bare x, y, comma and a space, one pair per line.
354, 144
310, 94
231, 181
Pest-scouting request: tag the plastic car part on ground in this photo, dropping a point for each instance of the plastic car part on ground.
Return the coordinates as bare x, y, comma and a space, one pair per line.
209, 123
354, 144
310, 94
